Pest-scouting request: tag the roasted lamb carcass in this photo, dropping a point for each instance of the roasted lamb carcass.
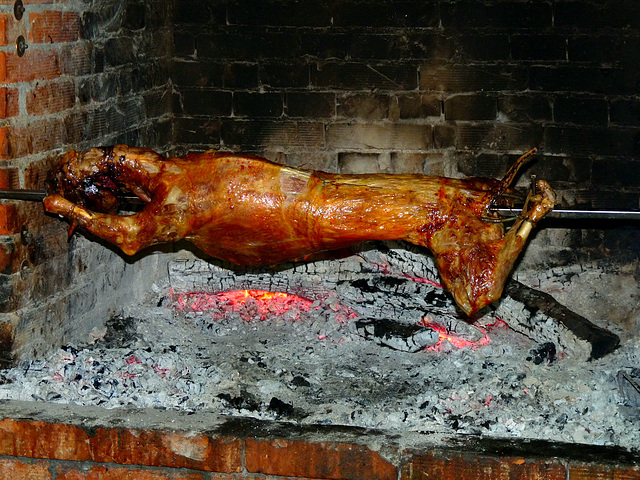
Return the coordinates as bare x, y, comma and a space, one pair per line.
253, 212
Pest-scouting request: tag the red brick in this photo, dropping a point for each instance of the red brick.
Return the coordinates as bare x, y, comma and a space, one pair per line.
166, 449
8, 102
51, 97
3, 29
36, 137
54, 27
18, 470
603, 472
38, 171
34, 65
316, 460
9, 178
76, 60
32, 439
122, 473
13, 28
3, 66
4, 145
8, 224
447, 466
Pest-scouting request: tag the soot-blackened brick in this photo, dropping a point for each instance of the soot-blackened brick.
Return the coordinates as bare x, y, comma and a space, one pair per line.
384, 14
242, 45
444, 136
366, 106
591, 15
603, 198
538, 47
484, 46
285, 74
119, 51
408, 14
487, 165
527, 107
389, 136
196, 73
206, 102
498, 15
428, 46
89, 25
6, 293
498, 136
583, 111
376, 46
414, 105
314, 13
625, 112
199, 12
184, 44
310, 105
584, 140
240, 75
573, 78
273, 134
135, 16
197, 131
604, 49
473, 78
470, 107
616, 172
354, 76
329, 46
97, 60
254, 105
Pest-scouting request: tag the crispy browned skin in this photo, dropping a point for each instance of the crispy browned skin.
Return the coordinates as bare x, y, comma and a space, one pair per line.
253, 212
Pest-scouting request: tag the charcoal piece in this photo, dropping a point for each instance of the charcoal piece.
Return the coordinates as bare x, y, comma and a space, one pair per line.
280, 408
121, 332
629, 386
543, 352
245, 401
538, 316
300, 381
397, 336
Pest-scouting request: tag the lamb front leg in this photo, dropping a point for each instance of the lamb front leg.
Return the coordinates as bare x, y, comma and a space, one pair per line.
515, 240
474, 258
129, 232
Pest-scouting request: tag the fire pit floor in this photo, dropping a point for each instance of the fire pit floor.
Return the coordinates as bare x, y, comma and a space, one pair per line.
311, 366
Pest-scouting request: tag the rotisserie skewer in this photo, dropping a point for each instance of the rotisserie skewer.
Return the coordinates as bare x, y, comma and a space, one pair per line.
502, 212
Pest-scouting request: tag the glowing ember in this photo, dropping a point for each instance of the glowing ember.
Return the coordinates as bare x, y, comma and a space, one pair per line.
457, 342
249, 304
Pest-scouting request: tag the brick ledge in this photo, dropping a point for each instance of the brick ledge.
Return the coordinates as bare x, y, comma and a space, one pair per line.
68, 442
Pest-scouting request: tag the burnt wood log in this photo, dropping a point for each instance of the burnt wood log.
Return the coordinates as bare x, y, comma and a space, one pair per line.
541, 317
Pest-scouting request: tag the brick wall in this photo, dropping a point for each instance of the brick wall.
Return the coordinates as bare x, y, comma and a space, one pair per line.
449, 87
94, 73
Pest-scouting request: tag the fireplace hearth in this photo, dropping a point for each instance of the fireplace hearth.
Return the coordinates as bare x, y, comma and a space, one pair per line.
369, 341
169, 365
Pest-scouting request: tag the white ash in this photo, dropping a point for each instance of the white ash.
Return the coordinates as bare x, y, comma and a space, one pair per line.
310, 365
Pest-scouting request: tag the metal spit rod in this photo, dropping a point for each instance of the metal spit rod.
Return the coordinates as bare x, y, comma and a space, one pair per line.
573, 214
38, 196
